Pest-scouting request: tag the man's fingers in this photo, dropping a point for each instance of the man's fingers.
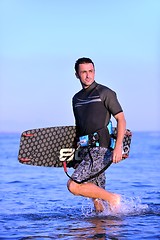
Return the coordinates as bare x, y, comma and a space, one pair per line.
116, 159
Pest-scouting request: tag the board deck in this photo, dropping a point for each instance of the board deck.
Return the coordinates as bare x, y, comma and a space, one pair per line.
51, 146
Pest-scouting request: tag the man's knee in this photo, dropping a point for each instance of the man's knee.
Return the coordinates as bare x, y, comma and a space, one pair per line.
73, 187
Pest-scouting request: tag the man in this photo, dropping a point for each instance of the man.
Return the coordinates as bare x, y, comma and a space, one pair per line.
93, 107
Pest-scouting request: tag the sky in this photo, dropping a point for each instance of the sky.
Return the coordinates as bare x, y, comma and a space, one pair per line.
41, 40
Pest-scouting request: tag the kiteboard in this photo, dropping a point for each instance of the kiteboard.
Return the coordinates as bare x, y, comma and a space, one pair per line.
52, 146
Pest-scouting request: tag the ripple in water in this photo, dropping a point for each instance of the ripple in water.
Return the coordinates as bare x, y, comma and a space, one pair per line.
128, 206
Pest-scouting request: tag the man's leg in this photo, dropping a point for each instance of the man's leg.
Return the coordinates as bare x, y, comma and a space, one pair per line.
90, 190
100, 157
100, 181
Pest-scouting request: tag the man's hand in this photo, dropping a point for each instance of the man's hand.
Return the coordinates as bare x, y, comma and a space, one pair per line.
121, 126
117, 154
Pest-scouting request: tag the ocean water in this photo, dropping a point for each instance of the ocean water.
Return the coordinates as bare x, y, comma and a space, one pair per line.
35, 203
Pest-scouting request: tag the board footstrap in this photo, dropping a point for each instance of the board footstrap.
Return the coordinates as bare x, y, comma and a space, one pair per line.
50, 147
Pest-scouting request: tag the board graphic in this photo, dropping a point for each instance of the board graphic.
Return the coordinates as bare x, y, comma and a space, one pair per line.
51, 146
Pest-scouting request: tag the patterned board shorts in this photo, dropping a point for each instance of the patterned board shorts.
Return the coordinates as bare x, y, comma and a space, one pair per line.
91, 164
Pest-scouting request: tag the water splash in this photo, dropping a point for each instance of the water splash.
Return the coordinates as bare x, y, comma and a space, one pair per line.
128, 206
132, 206
87, 207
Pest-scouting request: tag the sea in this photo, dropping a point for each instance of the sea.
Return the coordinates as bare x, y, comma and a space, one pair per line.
36, 204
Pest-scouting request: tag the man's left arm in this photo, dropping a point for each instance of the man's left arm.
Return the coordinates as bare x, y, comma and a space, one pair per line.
121, 127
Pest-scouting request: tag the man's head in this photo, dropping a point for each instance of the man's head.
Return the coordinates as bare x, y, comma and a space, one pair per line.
85, 71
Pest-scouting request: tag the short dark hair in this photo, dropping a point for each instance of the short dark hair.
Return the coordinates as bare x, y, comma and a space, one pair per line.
81, 61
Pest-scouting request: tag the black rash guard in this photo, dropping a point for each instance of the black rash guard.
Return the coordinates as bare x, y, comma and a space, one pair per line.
93, 108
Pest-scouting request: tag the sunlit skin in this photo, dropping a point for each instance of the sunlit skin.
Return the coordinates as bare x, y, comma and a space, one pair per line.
86, 74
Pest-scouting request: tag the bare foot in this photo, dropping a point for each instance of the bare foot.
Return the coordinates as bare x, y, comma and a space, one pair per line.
98, 205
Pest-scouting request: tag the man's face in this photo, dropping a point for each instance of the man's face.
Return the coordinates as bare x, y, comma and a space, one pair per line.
86, 73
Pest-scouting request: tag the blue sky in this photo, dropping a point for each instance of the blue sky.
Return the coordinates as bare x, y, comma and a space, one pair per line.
41, 40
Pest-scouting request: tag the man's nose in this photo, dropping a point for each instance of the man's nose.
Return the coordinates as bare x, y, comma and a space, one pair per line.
87, 74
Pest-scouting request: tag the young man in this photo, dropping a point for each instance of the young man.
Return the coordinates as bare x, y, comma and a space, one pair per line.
93, 107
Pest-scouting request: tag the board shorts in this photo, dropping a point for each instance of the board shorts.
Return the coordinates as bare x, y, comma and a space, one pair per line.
93, 160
